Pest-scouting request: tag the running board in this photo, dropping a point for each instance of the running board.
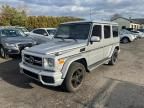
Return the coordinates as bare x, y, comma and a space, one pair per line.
94, 66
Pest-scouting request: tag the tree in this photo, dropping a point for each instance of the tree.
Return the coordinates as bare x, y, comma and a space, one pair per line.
11, 16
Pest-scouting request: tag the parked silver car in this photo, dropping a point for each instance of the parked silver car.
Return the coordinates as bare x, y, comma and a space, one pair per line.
13, 41
127, 36
47, 32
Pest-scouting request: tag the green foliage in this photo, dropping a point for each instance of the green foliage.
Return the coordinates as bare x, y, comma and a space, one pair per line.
47, 21
12, 16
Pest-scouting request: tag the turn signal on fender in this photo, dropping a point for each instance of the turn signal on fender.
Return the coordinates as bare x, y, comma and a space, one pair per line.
61, 61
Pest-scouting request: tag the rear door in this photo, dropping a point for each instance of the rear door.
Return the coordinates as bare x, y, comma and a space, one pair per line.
108, 40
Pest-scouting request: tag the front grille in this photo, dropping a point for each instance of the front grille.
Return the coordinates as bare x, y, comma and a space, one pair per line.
33, 60
22, 46
33, 75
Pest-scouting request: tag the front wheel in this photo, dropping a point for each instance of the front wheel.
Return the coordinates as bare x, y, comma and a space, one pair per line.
3, 53
74, 77
114, 58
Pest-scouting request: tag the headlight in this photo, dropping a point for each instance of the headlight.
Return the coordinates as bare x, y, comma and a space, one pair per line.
10, 45
49, 63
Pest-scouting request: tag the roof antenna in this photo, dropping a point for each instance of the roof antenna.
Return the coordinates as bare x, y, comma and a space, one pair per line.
90, 14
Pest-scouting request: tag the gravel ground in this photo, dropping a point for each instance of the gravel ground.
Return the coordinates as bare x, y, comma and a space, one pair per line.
119, 86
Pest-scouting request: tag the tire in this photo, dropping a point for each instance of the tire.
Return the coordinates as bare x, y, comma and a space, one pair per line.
74, 77
125, 40
3, 53
114, 58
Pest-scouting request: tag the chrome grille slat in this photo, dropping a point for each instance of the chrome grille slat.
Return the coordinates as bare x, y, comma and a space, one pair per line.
33, 60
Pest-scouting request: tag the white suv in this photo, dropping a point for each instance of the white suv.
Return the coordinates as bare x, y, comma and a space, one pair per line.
77, 48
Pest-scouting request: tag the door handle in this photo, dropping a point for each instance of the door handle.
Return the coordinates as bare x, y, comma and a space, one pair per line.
83, 49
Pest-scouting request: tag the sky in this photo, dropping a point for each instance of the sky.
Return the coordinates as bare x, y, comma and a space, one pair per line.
100, 9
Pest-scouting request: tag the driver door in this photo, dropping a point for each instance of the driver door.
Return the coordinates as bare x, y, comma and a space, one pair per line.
95, 49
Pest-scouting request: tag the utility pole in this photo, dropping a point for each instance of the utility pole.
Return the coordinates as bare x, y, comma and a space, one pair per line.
90, 14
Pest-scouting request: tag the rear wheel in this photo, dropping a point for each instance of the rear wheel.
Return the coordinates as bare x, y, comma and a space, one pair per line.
114, 58
75, 77
125, 40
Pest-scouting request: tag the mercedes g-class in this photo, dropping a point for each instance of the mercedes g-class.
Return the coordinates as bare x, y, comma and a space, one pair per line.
78, 47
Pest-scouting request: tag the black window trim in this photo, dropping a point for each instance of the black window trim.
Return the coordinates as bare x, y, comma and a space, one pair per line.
113, 31
93, 28
109, 32
40, 29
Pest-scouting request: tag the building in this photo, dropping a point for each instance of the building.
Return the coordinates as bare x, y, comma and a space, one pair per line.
129, 23
140, 21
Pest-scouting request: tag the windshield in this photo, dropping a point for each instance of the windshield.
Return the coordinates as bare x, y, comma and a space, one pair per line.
23, 29
73, 31
11, 33
51, 32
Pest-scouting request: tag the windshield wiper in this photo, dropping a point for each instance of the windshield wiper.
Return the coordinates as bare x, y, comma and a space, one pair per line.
63, 38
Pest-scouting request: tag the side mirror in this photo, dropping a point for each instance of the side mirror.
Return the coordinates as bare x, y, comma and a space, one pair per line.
45, 34
26, 35
95, 39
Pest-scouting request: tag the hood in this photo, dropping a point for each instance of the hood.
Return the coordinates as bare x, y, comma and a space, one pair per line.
39, 38
57, 45
14, 40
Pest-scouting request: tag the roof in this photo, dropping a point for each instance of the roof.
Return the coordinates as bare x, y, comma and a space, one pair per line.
11, 27
137, 21
46, 28
94, 21
1, 28
140, 20
120, 17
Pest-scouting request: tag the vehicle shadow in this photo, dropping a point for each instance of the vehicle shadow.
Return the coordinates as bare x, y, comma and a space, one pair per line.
124, 95
10, 73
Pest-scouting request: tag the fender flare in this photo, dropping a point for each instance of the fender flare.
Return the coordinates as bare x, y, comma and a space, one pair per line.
113, 48
67, 64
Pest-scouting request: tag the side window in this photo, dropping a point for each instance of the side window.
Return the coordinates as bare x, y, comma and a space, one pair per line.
51, 32
115, 31
36, 31
40, 31
97, 31
107, 32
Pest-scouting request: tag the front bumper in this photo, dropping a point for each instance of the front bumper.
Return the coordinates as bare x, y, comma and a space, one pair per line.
45, 77
17, 50
12, 51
